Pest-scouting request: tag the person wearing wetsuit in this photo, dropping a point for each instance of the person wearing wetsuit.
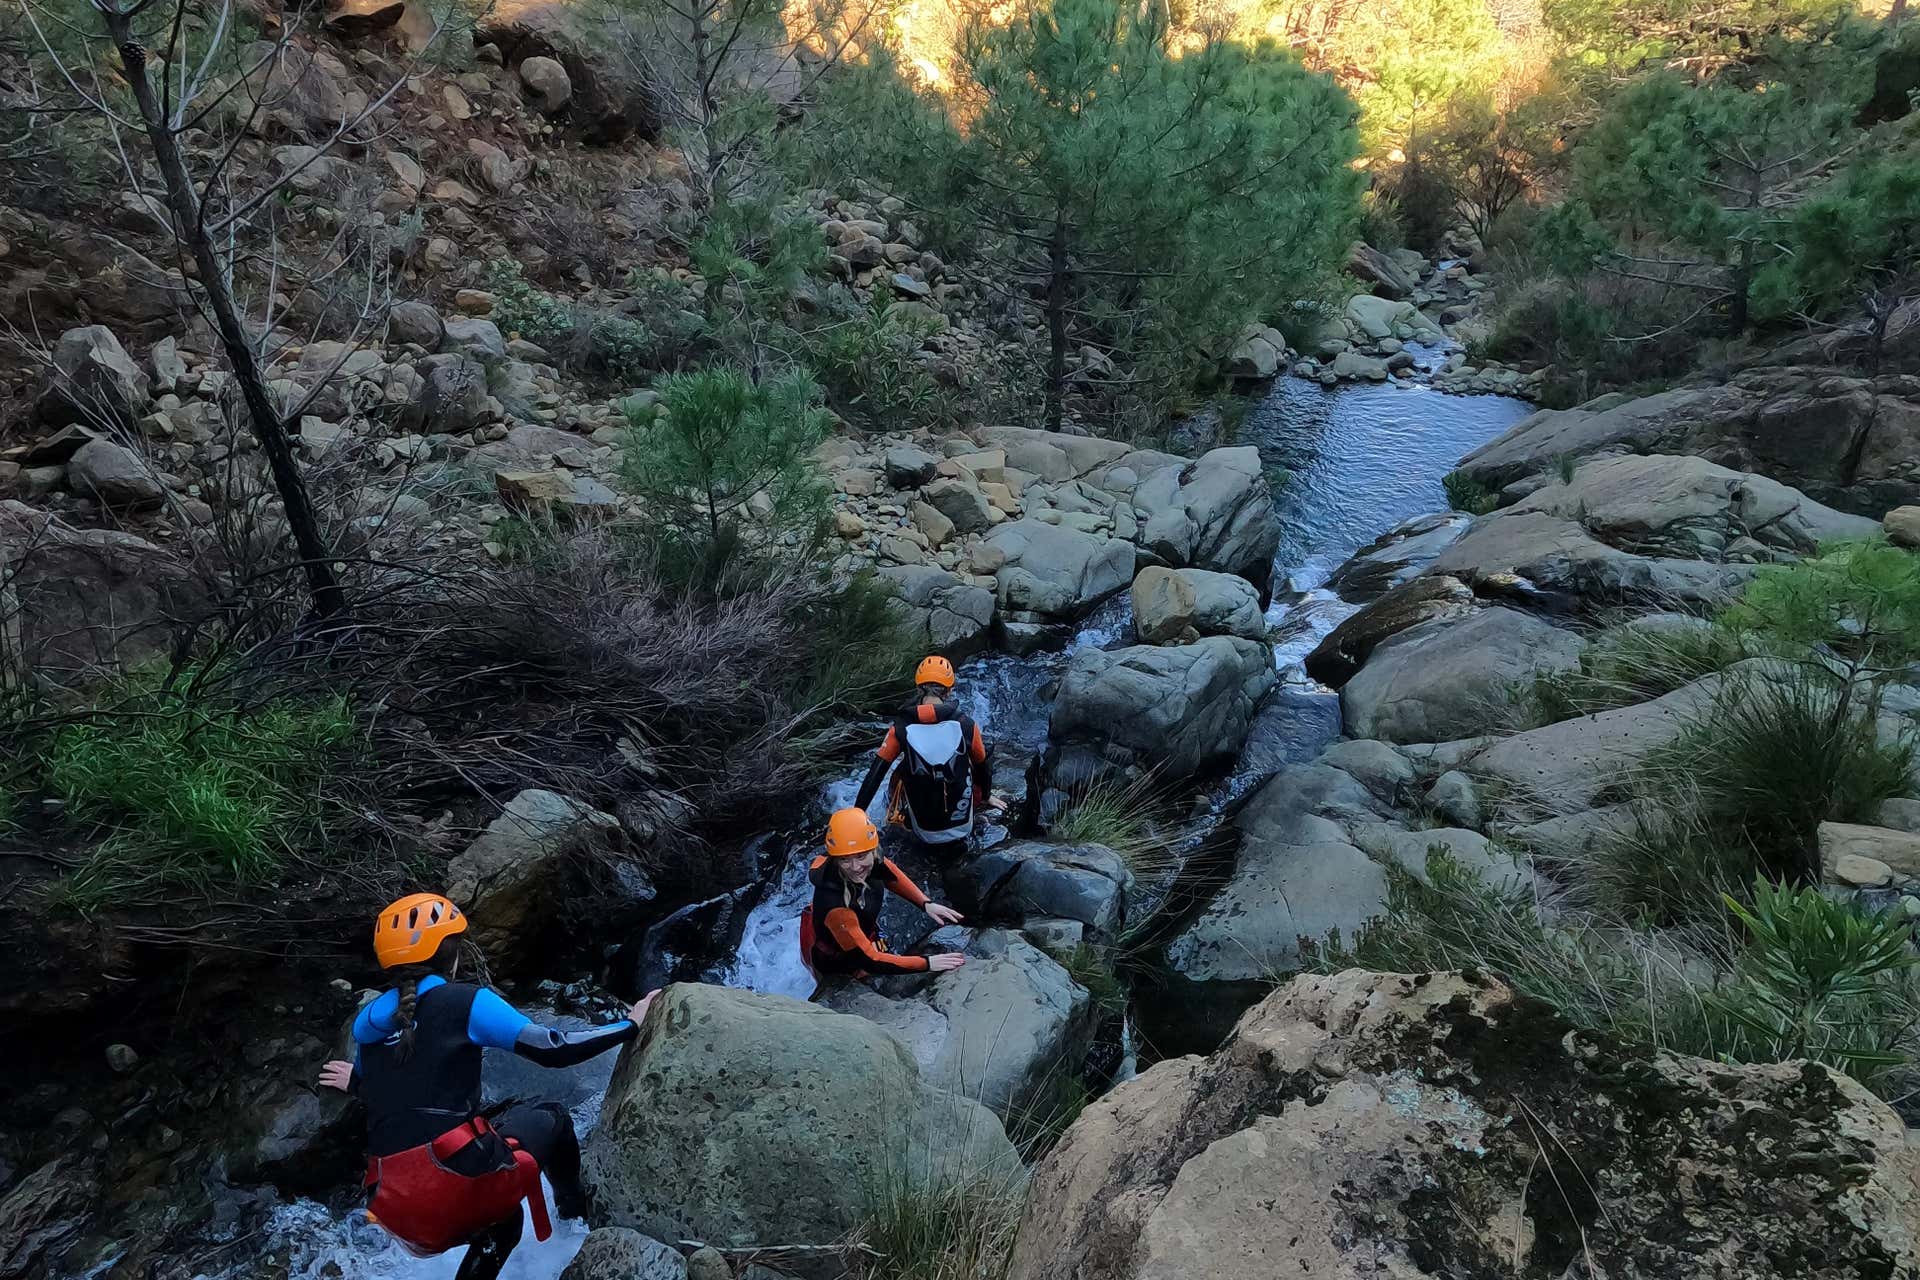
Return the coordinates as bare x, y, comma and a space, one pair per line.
441, 1172
840, 928
939, 752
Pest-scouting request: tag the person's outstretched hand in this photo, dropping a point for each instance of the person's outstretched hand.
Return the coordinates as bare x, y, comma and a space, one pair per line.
336, 1075
997, 803
941, 914
638, 1013
945, 960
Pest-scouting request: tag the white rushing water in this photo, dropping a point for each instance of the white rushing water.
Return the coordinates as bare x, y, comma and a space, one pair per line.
1360, 459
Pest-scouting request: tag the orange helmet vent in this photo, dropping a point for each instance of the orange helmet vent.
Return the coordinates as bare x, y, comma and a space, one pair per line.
934, 670
412, 929
850, 831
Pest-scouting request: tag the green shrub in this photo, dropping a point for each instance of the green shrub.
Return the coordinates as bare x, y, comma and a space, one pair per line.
190, 794
859, 652
1464, 493
594, 341
727, 470
1820, 979
1380, 222
868, 360
1859, 600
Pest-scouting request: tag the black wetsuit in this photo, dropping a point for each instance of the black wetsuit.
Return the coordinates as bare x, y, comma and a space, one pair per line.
414, 1099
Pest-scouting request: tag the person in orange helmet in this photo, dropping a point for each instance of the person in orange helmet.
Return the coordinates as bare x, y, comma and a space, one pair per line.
945, 771
442, 1172
840, 928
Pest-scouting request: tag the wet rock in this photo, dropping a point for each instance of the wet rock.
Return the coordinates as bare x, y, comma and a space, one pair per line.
1419, 1099
44, 1213
745, 1119
1017, 881
952, 617
1178, 605
1177, 710
92, 379
1000, 1029
1453, 677
510, 879
1054, 572
1348, 646
618, 1253
1397, 556
1902, 525
120, 478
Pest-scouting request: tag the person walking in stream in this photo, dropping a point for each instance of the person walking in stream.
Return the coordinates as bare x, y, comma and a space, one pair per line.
441, 1171
944, 771
840, 928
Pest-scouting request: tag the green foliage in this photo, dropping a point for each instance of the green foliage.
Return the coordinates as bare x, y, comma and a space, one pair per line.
867, 359
1857, 600
1464, 493
857, 646
1858, 234
727, 470
605, 344
1813, 978
1140, 192
1037, 1127
1381, 223
190, 793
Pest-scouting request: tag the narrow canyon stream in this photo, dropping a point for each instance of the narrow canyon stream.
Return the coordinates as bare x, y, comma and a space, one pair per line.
1358, 459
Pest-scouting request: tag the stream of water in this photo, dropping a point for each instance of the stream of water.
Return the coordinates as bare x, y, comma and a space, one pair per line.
1360, 459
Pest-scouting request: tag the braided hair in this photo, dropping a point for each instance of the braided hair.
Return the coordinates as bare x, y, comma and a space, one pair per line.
444, 963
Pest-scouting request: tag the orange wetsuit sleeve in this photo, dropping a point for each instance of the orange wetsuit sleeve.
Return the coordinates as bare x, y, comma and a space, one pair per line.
890, 748
982, 774
896, 880
843, 924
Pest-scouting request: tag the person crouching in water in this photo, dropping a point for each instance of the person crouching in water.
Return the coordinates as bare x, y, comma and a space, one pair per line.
442, 1173
944, 771
840, 929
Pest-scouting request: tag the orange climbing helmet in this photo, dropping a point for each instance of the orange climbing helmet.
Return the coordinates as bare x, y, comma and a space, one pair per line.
412, 929
934, 670
850, 831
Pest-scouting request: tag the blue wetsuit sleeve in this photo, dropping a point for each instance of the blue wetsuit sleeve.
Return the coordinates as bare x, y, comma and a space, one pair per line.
493, 1023
375, 1021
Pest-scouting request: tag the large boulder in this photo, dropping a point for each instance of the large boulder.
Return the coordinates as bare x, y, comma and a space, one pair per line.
78, 603
510, 878
961, 502
1388, 278
1176, 710
92, 379
1397, 556
1258, 355
743, 1119
1054, 572
943, 614
1017, 881
1847, 441
1452, 678
1369, 1124
1005, 1029
1372, 319
1179, 605
1213, 513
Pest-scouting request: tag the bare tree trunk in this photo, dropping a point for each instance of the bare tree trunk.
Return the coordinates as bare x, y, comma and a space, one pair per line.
268, 427
1057, 274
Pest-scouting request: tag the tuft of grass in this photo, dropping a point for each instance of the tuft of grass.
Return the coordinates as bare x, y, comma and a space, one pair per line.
1772, 757
187, 793
936, 1230
1633, 664
1093, 969
1126, 817
1038, 1127
1467, 494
